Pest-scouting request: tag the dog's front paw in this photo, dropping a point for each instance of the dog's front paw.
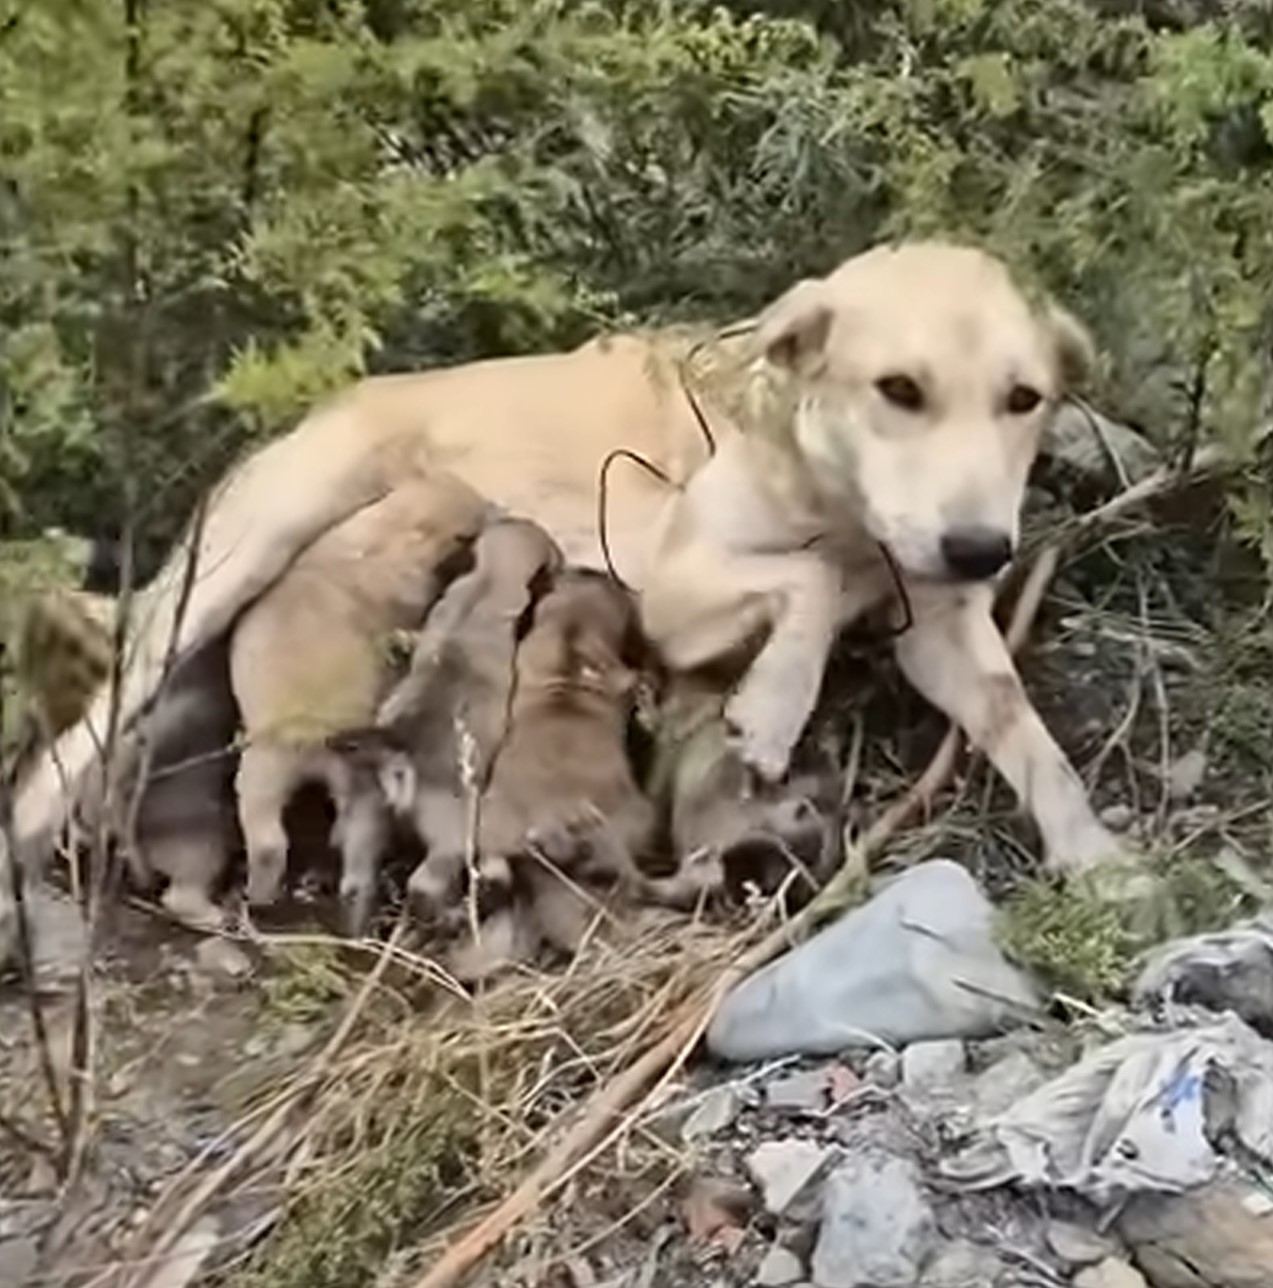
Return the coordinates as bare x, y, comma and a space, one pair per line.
1087, 848
760, 735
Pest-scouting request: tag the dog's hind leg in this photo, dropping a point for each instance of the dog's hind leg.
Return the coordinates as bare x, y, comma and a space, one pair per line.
956, 657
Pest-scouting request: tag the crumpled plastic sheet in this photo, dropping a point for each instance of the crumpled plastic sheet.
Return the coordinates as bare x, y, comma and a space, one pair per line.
1228, 970
1138, 1115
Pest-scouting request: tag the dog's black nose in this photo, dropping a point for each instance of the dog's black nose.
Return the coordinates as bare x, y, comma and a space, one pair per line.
975, 552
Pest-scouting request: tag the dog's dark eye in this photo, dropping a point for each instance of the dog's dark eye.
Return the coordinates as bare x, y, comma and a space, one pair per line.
901, 391
1022, 400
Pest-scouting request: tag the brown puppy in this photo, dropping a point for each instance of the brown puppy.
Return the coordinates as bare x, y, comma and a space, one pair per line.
311, 657
563, 807
440, 728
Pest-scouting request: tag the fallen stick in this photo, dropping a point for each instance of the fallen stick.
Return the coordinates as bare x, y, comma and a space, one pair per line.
606, 1114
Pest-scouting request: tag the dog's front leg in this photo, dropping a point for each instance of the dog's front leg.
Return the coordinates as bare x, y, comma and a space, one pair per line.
956, 657
769, 710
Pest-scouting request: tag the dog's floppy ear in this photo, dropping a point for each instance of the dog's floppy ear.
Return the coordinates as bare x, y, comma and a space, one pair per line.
1075, 351
792, 331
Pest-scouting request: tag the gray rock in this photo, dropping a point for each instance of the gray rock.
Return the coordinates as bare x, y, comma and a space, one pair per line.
18, 1258
1210, 1237
713, 1114
1111, 1273
1008, 1080
1076, 1245
785, 1170
877, 1227
221, 957
779, 1269
1118, 817
804, 1092
962, 1264
883, 1069
916, 963
933, 1066
1084, 444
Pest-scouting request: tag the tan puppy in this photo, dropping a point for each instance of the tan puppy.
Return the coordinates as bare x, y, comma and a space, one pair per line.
441, 727
311, 657
914, 383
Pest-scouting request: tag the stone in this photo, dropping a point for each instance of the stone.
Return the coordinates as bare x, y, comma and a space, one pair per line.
883, 1069
916, 963
877, 1228
1076, 1245
1185, 775
714, 1112
933, 1066
804, 1092
1204, 1238
1118, 817
779, 1269
217, 956
1005, 1082
1083, 442
962, 1264
1113, 1272
785, 1170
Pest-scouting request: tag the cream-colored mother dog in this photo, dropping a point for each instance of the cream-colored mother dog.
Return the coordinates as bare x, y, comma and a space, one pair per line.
921, 380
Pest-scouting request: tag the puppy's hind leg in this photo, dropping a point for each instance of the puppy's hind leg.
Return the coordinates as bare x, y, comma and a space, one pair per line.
362, 833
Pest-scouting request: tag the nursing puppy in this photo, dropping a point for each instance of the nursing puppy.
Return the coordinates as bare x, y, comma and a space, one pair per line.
312, 657
563, 810
177, 827
915, 382
440, 728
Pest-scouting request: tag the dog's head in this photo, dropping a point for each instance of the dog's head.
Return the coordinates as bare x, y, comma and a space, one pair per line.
925, 381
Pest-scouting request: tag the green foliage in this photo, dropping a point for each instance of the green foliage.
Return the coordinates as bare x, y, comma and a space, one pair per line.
261, 199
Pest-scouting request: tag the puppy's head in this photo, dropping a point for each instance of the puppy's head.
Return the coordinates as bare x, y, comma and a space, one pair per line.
925, 381
581, 632
380, 754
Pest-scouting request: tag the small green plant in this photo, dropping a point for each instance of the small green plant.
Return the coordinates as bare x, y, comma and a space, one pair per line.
1083, 938
306, 980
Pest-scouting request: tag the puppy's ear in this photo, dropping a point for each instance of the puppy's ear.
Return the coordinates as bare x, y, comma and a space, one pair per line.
370, 745
792, 332
1072, 344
